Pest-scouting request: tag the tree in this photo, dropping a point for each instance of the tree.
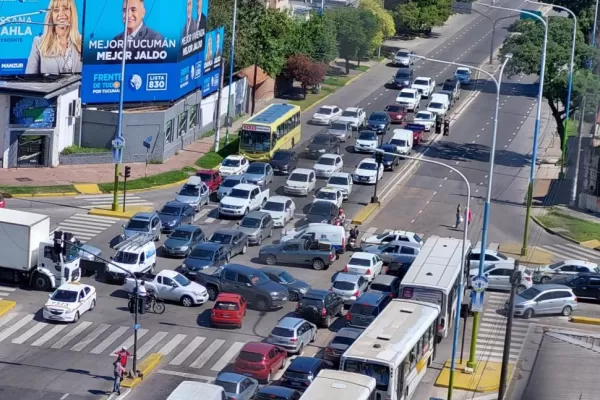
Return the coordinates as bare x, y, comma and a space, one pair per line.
583, 9
350, 33
385, 18
421, 15
373, 35
316, 37
303, 70
526, 49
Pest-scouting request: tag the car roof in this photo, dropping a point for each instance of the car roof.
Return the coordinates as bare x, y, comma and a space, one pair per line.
169, 273
233, 178
74, 287
328, 155
143, 215
303, 171
403, 243
344, 277
279, 199
235, 157
194, 181
370, 298
245, 186
323, 135
259, 163
175, 203
384, 279
362, 255
289, 322
367, 131
349, 332
257, 214
581, 262
451, 80
352, 109
187, 228
285, 151
329, 189
240, 268
327, 106
378, 113
207, 171
422, 77
258, 347
208, 246
340, 175
463, 69
316, 294
304, 363
230, 377
228, 296
277, 391
272, 270
367, 161
227, 231
408, 90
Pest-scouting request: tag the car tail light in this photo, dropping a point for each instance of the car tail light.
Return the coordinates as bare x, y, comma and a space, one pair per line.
391, 295
293, 340
346, 268
297, 306
323, 311
331, 256
368, 271
343, 242
348, 316
441, 326
357, 293
575, 299
528, 278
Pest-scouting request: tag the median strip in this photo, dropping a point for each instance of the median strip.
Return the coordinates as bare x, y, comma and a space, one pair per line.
584, 320
127, 214
145, 367
6, 306
364, 213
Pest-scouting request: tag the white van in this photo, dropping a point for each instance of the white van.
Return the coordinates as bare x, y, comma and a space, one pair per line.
403, 140
439, 104
136, 254
193, 390
334, 234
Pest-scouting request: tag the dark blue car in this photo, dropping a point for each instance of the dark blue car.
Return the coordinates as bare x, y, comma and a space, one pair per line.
390, 162
302, 371
204, 255
379, 122
182, 240
175, 213
273, 392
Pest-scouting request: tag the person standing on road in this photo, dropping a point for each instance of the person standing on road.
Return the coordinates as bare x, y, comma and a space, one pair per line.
122, 356
469, 217
142, 295
459, 217
119, 369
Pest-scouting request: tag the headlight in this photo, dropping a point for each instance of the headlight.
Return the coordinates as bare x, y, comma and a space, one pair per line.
184, 248
196, 293
322, 151
183, 266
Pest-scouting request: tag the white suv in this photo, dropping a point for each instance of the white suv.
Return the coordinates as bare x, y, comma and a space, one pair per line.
342, 181
410, 98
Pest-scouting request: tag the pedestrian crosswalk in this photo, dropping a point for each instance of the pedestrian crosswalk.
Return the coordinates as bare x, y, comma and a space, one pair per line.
103, 200
178, 349
5, 292
571, 251
85, 226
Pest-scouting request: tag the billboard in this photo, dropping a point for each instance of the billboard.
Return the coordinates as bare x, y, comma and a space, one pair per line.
40, 37
32, 112
165, 44
213, 55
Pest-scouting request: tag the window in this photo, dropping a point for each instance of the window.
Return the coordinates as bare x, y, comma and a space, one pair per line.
413, 357
182, 124
169, 131
229, 275
407, 250
497, 272
288, 125
546, 296
167, 281
562, 294
243, 279
567, 268
291, 247
474, 256
86, 290
193, 120
489, 257
581, 269
594, 281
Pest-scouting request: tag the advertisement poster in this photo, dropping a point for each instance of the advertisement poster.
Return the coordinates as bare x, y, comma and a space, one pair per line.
213, 55
32, 112
164, 40
40, 37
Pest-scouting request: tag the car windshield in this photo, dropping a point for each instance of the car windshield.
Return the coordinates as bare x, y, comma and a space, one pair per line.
256, 169
170, 210
421, 82
501, 256
320, 208
368, 166
202, 254
250, 222
182, 280
239, 193
283, 332
343, 285
252, 357
137, 225
323, 195
281, 156
229, 183
258, 277
228, 387
189, 190
273, 206
361, 262
556, 265
326, 161
320, 140
378, 117
226, 306
530, 293
205, 176
126, 258
338, 180
363, 309
398, 142
395, 109
407, 95
222, 238
296, 177
285, 277
379, 287
402, 54
67, 296
229, 162
448, 86
436, 105
337, 126
351, 114
423, 115
324, 111
462, 72
367, 135
309, 301
177, 234
344, 340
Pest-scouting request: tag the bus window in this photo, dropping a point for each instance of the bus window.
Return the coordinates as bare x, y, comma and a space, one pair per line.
255, 141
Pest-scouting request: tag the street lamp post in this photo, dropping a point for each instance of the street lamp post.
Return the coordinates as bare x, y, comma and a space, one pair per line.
231, 62
570, 85
462, 258
536, 132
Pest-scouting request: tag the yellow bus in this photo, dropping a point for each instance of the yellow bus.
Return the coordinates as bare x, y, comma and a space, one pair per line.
276, 127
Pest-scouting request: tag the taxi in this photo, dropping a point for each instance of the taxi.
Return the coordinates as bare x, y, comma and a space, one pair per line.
69, 302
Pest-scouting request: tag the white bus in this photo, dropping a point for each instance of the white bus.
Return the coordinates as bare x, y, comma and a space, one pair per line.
396, 348
331, 384
433, 277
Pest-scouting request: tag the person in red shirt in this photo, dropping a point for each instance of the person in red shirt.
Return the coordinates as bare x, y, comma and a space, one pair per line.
469, 217
122, 356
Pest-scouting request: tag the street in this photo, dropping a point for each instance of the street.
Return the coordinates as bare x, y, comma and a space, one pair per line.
42, 360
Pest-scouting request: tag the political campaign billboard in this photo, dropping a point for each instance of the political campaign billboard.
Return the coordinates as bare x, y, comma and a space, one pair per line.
165, 39
213, 54
40, 37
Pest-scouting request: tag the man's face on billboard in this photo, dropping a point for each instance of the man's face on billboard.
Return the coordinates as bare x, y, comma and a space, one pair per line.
189, 8
199, 8
137, 11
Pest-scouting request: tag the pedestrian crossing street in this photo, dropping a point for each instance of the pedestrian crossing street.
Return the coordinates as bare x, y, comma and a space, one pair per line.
571, 251
104, 200
178, 349
85, 226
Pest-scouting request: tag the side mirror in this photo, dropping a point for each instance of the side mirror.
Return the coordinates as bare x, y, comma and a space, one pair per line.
248, 285
174, 285
111, 257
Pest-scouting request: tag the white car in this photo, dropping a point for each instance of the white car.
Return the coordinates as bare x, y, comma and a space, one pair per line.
403, 58
392, 236
366, 142
332, 195
425, 118
491, 257
300, 182
354, 116
498, 276
281, 209
438, 106
326, 115
410, 98
327, 164
563, 268
69, 302
366, 264
367, 171
342, 181
424, 85
233, 165
243, 198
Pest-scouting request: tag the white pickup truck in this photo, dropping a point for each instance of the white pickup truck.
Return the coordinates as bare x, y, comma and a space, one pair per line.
242, 199
171, 285
425, 85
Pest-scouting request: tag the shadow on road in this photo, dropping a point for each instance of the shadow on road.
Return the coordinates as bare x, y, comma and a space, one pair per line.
476, 152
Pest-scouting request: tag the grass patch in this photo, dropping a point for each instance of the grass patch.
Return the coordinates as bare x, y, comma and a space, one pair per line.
213, 159
571, 128
155, 180
362, 68
313, 98
82, 150
338, 81
8, 190
578, 229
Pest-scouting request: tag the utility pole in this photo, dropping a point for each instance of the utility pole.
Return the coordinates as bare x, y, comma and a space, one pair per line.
515, 279
379, 159
573, 199
218, 107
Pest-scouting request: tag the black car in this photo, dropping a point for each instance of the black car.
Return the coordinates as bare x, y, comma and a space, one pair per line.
398, 269
366, 308
584, 285
324, 212
284, 161
403, 78
235, 242
386, 284
202, 256
390, 162
175, 213
320, 307
340, 343
296, 287
302, 371
379, 122
452, 85
273, 392
321, 144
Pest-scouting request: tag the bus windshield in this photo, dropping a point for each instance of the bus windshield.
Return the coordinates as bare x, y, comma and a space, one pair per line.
381, 373
255, 141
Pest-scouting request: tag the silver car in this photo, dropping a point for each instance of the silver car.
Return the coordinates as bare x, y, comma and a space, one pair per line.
259, 173
348, 286
143, 222
257, 225
293, 334
194, 192
228, 183
236, 386
340, 129
403, 252
545, 299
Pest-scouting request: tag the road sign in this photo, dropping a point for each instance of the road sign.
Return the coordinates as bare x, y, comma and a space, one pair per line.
118, 142
136, 326
479, 283
147, 142
477, 301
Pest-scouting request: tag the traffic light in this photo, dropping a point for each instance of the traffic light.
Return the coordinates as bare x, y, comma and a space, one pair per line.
58, 235
379, 157
446, 128
127, 171
438, 126
67, 238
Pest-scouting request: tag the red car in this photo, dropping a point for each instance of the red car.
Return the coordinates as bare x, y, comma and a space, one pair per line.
396, 112
418, 130
260, 361
2, 202
211, 178
229, 310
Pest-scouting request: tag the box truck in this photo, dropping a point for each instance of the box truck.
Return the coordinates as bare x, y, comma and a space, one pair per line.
27, 253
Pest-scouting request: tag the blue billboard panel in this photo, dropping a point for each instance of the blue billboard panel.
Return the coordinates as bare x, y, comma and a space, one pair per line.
40, 37
164, 40
213, 55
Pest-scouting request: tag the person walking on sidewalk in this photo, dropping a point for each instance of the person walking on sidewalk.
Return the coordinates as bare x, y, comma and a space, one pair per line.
469, 217
118, 377
122, 356
459, 217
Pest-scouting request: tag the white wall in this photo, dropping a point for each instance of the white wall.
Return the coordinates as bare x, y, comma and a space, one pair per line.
209, 103
4, 132
65, 126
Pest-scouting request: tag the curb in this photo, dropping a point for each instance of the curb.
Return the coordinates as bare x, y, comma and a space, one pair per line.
145, 367
553, 232
585, 320
103, 212
26, 195
364, 213
165, 186
6, 306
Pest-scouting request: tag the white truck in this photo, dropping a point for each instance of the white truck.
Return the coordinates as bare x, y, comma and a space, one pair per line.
425, 85
134, 255
27, 252
242, 199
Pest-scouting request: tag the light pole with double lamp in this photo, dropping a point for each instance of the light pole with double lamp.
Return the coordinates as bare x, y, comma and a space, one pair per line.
231, 60
462, 256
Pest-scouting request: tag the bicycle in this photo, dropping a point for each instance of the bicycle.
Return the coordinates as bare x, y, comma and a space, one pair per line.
153, 303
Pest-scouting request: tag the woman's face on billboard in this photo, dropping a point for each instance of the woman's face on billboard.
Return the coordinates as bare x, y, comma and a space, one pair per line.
61, 12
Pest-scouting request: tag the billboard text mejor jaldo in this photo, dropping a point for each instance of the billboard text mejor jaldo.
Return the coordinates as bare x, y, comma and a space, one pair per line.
165, 56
